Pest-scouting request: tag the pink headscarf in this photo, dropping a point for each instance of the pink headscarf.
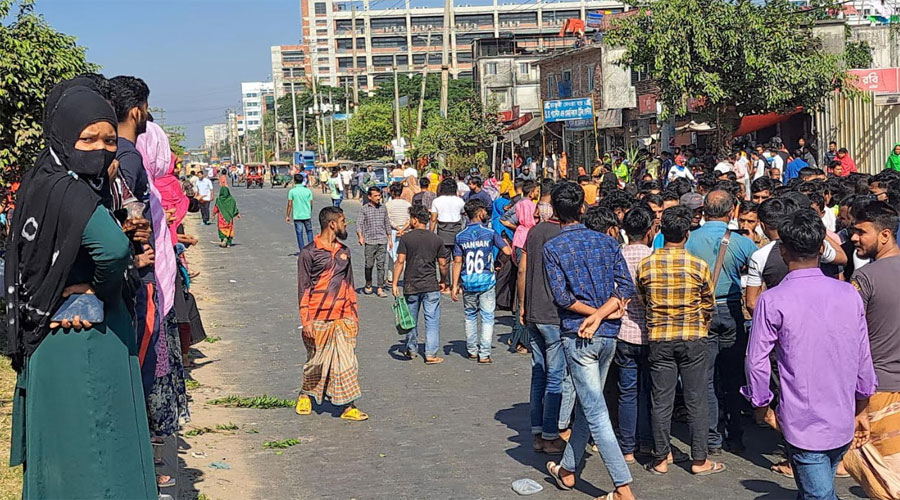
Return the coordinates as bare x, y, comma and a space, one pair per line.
154, 148
172, 196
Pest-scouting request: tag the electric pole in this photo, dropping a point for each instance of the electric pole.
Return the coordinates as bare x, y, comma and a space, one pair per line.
445, 57
275, 126
424, 81
353, 69
347, 105
294, 106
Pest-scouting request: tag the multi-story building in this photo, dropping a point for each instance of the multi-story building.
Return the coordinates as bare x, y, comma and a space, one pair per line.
253, 102
289, 65
215, 134
405, 36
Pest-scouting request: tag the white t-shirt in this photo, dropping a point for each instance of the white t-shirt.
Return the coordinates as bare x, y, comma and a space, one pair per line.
411, 172
462, 188
448, 208
204, 189
723, 166
759, 258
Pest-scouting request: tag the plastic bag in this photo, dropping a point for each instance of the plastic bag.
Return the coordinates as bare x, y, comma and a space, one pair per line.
402, 317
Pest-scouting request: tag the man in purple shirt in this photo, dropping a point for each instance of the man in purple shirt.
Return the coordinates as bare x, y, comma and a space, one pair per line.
817, 327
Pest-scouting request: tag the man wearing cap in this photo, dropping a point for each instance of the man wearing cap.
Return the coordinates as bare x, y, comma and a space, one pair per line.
694, 202
727, 336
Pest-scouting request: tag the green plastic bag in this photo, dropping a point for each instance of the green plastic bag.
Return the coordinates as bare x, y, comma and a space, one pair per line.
402, 317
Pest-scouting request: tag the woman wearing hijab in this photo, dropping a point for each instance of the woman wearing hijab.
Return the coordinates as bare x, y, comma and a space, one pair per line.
227, 210
79, 425
167, 400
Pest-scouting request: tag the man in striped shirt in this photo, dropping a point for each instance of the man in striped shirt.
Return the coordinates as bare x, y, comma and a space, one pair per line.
677, 290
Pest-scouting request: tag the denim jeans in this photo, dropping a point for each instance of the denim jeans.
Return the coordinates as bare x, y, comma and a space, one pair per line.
814, 471
589, 361
375, 257
725, 372
548, 369
483, 304
669, 360
634, 395
301, 227
431, 305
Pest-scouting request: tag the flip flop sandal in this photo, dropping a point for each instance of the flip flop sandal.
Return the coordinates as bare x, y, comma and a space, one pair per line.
716, 468
304, 406
650, 467
165, 483
354, 414
553, 469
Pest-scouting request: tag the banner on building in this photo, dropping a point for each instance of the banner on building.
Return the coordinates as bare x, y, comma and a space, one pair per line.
879, 81
568, 109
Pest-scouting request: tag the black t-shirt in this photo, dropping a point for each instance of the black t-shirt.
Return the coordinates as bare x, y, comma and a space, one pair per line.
539, 306
422, 249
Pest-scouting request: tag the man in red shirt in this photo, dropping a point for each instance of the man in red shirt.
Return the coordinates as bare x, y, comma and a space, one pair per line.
329, 317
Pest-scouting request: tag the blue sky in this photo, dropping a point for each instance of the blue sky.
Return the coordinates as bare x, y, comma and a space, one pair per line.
192, 53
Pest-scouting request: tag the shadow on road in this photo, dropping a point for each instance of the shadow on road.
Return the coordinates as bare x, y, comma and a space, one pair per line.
518, 419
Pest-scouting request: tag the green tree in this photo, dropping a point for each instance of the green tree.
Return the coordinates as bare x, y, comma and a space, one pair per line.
858, 55
33, 58
371, 131
744, 57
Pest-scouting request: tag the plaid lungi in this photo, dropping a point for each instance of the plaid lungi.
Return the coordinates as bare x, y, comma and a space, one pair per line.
331, 369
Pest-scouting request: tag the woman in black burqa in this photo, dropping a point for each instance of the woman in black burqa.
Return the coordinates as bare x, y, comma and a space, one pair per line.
78, 404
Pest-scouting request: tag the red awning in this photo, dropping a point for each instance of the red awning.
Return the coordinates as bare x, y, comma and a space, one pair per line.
752, 123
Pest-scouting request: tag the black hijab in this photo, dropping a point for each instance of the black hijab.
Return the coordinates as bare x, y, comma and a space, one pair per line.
54, 203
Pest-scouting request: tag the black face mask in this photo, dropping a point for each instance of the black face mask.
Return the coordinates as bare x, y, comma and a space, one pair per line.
92, 164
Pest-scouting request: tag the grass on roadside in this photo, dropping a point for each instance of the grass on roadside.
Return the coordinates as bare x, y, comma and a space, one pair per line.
10, 477
263, 402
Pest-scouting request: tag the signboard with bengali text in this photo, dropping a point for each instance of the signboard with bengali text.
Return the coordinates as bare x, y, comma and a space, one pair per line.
568, 109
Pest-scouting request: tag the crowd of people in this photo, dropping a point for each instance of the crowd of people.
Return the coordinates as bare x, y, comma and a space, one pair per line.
709, 297
98, 306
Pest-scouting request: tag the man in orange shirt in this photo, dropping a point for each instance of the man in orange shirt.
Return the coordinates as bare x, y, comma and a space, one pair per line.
329, 317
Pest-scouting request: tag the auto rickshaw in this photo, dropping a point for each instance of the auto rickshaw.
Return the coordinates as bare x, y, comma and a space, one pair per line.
253, 174
279, 173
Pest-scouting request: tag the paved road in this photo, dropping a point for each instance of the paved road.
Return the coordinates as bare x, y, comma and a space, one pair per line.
456, 430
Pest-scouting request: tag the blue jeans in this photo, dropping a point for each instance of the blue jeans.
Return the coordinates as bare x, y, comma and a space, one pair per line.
814, 471
726, 348
301, 226
483, 304
634, 395
431, 303
548, 369
589, 361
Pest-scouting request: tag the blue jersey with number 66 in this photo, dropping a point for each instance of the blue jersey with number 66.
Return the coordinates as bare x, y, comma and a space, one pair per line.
475, 244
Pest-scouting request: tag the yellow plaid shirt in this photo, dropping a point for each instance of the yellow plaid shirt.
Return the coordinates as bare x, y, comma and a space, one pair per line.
678, 293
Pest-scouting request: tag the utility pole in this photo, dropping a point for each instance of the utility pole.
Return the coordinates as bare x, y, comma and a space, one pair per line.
445, 57
331, 105
347, 105
275, 126
353, 69
424, 81
294, 106
396, 104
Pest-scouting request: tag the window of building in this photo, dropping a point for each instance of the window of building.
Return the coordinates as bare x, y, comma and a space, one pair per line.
590, 77
490, 68
499, 96
320, 8
384, 42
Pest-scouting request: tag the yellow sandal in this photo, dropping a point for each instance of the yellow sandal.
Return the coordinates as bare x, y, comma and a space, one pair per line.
353, 413
304, 405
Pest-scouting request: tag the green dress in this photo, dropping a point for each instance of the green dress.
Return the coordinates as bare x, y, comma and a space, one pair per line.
79, 416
